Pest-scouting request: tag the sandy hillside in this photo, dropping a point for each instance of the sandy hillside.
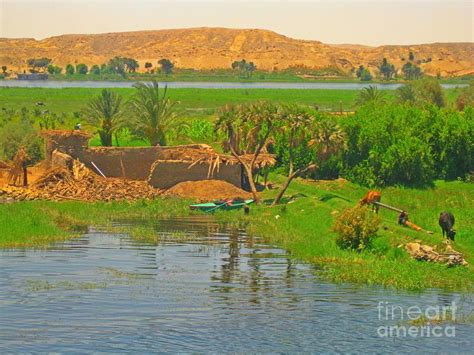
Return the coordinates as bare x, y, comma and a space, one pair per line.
207, 48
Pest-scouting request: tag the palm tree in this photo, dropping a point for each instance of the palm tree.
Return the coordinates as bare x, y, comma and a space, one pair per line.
246, 130
155, 113
295, 131
105, 113
330, 139
370, 95
406, 93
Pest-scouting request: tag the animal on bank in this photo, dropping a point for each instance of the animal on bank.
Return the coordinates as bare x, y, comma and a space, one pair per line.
446, 222
371, 197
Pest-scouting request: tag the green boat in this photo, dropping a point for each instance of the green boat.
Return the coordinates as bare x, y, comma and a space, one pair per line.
222, 205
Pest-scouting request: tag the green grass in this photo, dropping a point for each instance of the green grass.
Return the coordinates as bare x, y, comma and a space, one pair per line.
223, 75
39, 223
193, 103
302, 227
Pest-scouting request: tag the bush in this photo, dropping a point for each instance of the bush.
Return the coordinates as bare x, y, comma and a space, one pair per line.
407, 162
356, 228
408, 145
466, 97
198, 131
13, 135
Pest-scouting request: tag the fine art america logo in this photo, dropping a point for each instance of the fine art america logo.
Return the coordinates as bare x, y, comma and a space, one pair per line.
415, 321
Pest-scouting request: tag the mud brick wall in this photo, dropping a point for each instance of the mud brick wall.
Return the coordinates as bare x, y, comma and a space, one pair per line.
128, 163
61, 160
73, 145
168, 173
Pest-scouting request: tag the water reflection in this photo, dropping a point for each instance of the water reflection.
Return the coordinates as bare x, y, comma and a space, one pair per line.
200, 287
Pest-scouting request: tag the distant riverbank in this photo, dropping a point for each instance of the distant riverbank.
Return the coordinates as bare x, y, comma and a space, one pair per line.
59, 84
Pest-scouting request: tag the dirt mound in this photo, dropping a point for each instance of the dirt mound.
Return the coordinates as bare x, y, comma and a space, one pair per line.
81, 184
207, 190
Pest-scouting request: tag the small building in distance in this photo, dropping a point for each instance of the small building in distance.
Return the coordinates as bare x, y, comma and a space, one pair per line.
33, 76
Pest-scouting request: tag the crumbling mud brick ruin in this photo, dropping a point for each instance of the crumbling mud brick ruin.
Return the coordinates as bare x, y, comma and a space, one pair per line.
163, 167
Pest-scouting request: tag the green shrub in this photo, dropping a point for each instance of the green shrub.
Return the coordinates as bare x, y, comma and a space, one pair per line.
198, 131
356, 228
13, 135
408, 145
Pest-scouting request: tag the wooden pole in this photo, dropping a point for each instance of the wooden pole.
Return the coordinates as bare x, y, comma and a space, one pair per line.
388, 207
100, 172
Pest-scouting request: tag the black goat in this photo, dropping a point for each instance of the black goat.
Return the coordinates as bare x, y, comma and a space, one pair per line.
446, 222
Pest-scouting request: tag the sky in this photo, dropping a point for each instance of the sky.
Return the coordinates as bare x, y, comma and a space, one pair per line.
369, 22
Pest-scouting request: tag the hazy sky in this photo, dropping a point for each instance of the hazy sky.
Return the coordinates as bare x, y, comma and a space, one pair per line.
370, 22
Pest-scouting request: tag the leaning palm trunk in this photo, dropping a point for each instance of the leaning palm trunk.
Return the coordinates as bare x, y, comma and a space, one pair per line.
292, 173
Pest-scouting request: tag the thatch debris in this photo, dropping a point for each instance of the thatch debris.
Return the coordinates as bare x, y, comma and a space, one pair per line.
4, 165
205, 154
81, 184
423, 252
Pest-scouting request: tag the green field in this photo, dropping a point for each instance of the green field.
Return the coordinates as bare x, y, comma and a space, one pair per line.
192, 102
302, 227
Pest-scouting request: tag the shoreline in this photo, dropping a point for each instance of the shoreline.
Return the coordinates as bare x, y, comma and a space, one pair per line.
303, 228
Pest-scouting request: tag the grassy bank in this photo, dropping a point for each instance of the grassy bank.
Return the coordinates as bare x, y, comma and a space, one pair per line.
218, 75
38, 223
302, 227
223, 75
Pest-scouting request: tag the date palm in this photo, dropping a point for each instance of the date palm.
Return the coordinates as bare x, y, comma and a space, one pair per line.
329, 139
370, 95
154, 113
246, 130
295, 131
105, 113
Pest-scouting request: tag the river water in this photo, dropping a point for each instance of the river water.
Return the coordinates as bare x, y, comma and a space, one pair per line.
203, 85
200, 287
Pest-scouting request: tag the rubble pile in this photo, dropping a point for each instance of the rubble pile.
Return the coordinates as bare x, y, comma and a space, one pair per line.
424, 252
80, 184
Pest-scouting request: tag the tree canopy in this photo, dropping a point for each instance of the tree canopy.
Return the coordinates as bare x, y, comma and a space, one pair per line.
40, 63
166, 66
245, 68
387, 70
411, 71
154, 113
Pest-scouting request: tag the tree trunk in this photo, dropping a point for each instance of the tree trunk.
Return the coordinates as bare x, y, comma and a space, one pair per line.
253, 188
290, 178
249, 172
283, 189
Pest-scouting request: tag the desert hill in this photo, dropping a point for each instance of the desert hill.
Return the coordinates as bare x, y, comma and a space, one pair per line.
210, 48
